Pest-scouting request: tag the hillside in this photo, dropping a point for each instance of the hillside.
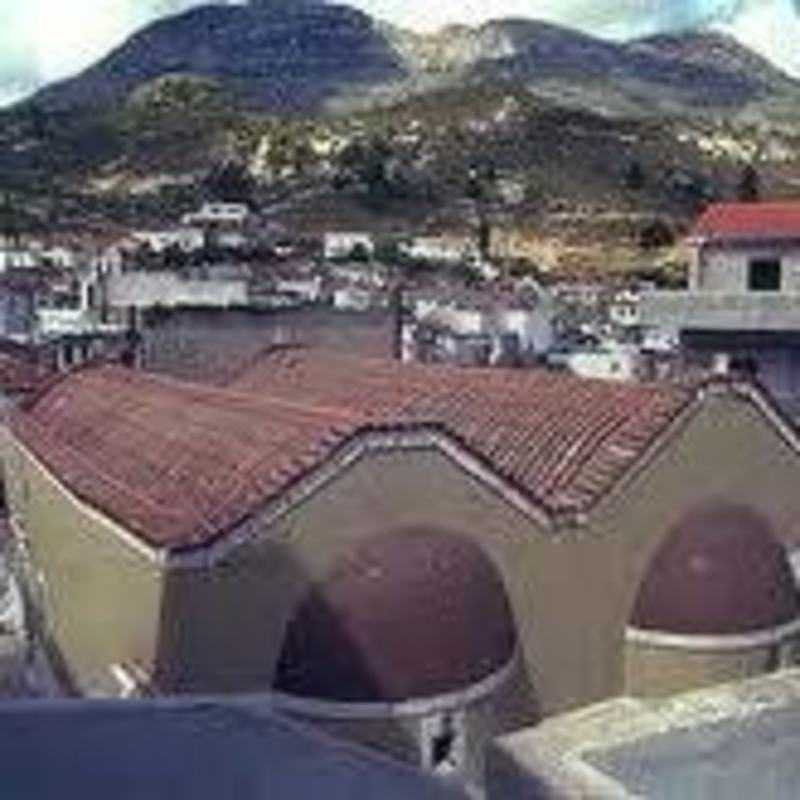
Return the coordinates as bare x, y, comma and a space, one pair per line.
340, 120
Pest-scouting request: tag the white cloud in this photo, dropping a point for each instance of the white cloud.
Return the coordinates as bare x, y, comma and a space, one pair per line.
773, 32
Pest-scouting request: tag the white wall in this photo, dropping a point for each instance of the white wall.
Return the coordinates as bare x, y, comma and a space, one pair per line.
340, 245
726, 269
147, 289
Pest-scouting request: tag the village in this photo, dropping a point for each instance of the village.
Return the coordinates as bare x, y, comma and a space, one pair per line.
452, 296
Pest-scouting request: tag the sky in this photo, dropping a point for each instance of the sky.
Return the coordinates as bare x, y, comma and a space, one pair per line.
44, 40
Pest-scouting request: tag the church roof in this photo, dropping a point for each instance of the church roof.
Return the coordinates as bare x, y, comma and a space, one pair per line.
180, 464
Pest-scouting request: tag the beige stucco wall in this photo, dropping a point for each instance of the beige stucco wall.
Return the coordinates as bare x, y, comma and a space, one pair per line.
221, 629
99, 596
726, 269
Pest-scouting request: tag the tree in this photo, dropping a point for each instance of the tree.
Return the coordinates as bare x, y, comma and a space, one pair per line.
634, 177
656, 234
359, 253
484, 237
748, 189
10, 225
230, 182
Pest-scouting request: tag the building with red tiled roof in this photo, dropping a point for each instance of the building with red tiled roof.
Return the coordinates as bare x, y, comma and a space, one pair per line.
746, 247
743, 297
223, 539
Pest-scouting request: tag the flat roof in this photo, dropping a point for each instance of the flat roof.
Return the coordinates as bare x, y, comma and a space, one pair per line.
737, 758
737, 740
198, 748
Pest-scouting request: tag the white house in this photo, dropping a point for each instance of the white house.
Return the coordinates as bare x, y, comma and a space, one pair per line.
16, 258
166, 289
501, 333
448, 249
610, 361
60, 256
218, 214
352, 299
308, 290
623, 311
187, 239
233, 239
342, 244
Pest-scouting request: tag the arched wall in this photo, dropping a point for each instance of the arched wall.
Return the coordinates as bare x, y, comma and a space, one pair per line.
728, 450
571, 592
383, 491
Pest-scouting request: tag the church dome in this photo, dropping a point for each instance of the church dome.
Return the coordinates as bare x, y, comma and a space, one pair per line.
720, 571
409, 614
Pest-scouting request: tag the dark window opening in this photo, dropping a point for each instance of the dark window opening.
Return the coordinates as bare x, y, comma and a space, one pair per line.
764, 275
442, 747
443, 743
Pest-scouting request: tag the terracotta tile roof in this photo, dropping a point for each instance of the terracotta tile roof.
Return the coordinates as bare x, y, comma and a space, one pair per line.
747, 220
174, 462
561, 439
179, 464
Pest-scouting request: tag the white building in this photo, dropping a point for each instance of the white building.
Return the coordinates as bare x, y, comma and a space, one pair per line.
447, 249
60, 256
623, 311
218, 214
187, 239
609, 361
168, 290
360, 275
307, 290
233, 239
743, 298
483, 335
341, 245
16, 258
352, 299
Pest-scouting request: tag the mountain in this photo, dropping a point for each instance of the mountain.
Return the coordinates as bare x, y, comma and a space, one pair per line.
285, 57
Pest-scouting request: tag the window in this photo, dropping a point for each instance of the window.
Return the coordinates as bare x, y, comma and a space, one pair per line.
764, 275
444, 743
